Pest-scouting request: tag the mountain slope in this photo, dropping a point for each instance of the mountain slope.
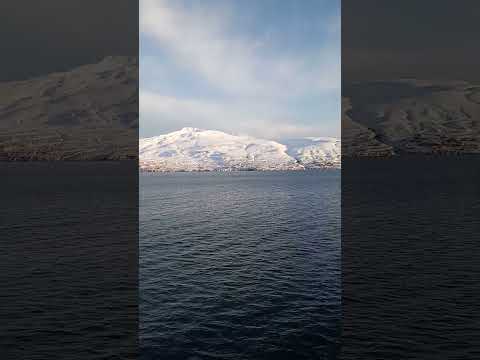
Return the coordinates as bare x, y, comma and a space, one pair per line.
193, 149
315, 152
411, 116
90, 112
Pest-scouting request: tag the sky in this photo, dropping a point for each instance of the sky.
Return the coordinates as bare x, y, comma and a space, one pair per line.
410, 38
265, 68
41, 37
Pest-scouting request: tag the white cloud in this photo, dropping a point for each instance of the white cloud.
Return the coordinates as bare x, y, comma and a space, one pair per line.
232, 117
200, 42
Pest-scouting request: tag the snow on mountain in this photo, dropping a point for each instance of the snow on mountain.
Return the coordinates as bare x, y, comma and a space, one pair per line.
411, 116
315, 152
87, 113
191, 149
357, 139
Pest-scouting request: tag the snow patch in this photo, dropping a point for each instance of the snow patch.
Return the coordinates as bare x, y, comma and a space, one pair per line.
192, 149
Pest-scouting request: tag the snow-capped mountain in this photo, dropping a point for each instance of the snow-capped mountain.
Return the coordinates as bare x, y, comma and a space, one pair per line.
381, 118
191, 149
87, 113
315, 152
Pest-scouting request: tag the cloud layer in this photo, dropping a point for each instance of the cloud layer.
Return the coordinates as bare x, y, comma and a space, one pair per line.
238, 83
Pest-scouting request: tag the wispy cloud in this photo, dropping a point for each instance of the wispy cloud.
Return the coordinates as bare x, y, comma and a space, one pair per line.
231, 117
201, 41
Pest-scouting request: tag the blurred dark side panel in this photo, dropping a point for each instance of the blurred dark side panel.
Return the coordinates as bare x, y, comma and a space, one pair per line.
69, 179
410, 179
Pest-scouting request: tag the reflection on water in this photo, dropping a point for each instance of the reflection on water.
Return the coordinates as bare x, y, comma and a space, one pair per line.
240, 265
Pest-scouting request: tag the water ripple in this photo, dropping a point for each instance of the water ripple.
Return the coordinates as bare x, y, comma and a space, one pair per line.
240, 266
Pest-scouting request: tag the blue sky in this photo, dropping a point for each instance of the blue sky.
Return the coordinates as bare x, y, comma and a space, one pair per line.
267, 68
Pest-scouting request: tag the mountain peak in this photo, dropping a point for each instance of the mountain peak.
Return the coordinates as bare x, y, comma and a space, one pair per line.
190, 130
193, 149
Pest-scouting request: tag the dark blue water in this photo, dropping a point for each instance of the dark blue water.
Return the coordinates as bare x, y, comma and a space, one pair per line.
410, 264
68, 260
240, 265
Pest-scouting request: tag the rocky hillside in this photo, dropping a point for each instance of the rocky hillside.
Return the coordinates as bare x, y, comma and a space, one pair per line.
89, 113
409, 116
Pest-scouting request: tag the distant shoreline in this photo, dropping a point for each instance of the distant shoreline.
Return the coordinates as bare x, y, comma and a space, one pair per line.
142, 171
